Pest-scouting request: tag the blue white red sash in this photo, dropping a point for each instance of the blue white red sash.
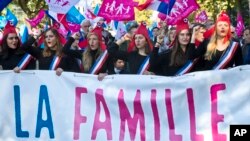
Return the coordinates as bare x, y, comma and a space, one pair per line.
187, 67
226, 57
55, 62
144, 66
99, 63
24, 61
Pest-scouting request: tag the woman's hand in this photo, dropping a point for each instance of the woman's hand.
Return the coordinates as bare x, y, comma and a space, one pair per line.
17, 70
127, 37
37, 33
101, 76
59, 71
159, 40
76, 36
194, 33
124, 38
148, 73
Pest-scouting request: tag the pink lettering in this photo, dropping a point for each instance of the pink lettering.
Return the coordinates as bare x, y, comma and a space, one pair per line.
191, 108
155, 114
131, 121
106, 125
215, 117
136, 121
78, 117
172, 135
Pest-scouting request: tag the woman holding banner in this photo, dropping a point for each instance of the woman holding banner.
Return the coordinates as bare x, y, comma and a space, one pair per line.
51, 57
138, 51
93, 59
175, 60
220, 52
12, 56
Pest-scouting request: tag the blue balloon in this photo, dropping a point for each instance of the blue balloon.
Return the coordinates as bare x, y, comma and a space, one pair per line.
3, 21
74, 16
11, 17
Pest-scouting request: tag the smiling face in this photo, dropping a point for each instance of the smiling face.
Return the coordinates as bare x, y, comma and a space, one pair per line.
222, 29
12, 40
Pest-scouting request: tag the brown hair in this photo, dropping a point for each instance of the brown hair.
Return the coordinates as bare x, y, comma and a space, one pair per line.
4, 51
178, 56
47, 51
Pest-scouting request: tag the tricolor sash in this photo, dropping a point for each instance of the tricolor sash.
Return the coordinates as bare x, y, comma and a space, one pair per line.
187, 67
226, 57
99, 63
144, 66
55, 62
24, 61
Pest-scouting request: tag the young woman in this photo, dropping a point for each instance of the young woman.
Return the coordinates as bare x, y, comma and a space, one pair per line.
51, 57
220, 52
168, 40
138, 51
94, 56
174, 61
12, 56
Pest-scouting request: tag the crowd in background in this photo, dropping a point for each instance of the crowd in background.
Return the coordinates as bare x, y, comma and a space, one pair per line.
170, 51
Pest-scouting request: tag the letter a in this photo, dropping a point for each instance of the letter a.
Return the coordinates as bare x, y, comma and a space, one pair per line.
237, 132
40, 122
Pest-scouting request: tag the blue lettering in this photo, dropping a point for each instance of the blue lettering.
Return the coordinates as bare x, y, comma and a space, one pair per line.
40, 122
19, 132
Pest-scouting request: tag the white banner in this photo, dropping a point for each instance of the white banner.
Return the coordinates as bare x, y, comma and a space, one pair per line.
40, 106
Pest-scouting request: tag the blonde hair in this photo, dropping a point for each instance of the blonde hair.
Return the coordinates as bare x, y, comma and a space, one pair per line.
211, 47
87, 59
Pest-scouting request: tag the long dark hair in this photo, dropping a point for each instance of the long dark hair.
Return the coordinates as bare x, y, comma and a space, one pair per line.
4, 51
178, 56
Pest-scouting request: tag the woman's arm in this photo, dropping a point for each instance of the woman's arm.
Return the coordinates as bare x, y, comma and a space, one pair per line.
156, 59
72, 53
27, 47
193, 51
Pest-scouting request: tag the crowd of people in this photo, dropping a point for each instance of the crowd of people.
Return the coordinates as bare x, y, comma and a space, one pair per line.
171, 51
